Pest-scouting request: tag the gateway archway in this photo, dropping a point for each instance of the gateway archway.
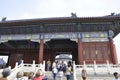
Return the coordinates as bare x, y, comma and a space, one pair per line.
28, 50
56, 47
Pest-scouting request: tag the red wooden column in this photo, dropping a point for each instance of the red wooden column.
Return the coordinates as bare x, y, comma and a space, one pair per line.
113, 52
41, 48
80, 52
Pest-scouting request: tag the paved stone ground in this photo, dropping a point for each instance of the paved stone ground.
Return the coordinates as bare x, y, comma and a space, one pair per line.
89, 77
50, 76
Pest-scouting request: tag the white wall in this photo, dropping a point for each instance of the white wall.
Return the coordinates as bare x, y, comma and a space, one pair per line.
117, 45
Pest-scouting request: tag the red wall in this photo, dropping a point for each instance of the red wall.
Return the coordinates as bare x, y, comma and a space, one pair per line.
99, 51
28, 55
89, 53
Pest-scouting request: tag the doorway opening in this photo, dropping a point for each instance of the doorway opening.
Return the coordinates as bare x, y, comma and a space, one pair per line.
60, 49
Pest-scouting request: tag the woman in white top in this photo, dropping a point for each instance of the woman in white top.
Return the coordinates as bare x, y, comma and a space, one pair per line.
53, 65
55, 71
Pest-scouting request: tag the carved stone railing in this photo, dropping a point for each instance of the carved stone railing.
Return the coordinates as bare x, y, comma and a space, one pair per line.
25, 68
95, 69
92, 69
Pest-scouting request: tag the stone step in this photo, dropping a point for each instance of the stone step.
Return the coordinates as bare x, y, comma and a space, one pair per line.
96, 77
89, 76
49, 75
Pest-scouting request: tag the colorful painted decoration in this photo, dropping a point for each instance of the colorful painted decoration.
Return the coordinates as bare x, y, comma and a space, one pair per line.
60, 36
85, 36
94, 34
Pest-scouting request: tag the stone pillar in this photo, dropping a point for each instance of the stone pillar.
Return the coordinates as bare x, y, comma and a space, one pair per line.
41, 48
113, 51
80, 52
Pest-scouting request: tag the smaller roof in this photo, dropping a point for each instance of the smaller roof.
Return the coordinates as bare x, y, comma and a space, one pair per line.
64, 56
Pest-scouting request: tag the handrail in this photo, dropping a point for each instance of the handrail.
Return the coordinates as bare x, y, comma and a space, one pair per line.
95, 69
22, 67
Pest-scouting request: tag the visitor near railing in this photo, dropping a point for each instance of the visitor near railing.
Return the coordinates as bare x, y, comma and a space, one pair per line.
92, 69
25, 68
95, 69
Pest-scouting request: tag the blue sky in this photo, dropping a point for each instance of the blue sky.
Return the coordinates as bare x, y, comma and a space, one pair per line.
27, 9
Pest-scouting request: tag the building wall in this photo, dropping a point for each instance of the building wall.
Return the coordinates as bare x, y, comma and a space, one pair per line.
28, 55
99, 51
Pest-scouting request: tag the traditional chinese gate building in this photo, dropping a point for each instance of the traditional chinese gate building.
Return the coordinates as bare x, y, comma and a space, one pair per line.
86, 38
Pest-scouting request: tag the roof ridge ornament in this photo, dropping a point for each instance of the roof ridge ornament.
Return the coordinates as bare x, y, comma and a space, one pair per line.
112, 14
73, 15
4, 19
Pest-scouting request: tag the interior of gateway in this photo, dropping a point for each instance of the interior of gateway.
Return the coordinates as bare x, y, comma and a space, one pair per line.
29, 50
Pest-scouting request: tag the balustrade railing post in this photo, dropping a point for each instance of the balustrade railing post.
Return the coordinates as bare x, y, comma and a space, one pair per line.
22, 63
44, 65
21, 66
74, 71
16, 65
108, 66
33, 65
95, 67
33, 62
9, 67
41, 66
84, 65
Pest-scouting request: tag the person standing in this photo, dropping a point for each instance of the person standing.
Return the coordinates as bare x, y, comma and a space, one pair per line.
19, 76
64, 68
5, 73
31, 76
55, 71
20, 61
38, 76
116, 76
48, 65
68, 72
84, 74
